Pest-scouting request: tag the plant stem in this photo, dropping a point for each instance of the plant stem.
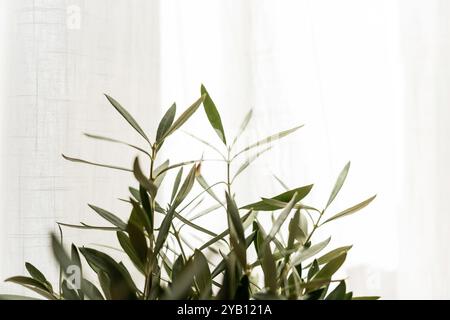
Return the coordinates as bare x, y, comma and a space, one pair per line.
149, 264
228, 172
316, 225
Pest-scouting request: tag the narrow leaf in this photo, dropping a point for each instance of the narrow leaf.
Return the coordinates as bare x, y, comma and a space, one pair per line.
143, 180
203, 275
126, 245
185, 187
166, 123
95, 164
302, 192
333, 254
201, 180
339, 182
184, 117
176, 184
98, 137
309, 252
351, 210
124, 113
338, 293
281, 218
213, 115
113, 219
331, 267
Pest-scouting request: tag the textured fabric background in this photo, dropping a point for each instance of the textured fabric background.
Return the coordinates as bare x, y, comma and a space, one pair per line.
368, 78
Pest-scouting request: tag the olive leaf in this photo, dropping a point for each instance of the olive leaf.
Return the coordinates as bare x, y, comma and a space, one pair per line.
301, 192
95, 163
351, 210
213, 115
166, 123
183, 117
339, 182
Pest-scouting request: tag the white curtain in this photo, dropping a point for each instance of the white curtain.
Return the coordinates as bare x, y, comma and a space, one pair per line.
368, 78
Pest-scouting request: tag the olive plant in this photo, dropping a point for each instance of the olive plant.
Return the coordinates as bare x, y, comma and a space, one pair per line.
228, 264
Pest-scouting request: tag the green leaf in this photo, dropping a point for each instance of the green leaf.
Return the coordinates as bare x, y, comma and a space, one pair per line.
366, 298
203, 275
135, 228
269, 139
177, 268
185, 187
281, 218
37, 275
339, 182
68, 293
33, 285
331, 267
164, 230
267, 296
97, 137
143, 180
338, 293
113, 219
139, 219
301, 192
247, 220
232, 254
124, 113
118, 282
27, 281
184, 117
176, 184
213, 115
95, 164
126, 245
160, 173
75, 256
166, 123
281, 182
60, 254
185, 278
243, 289
90, 290
313, 285
193, 225
15, 297
148, 215
177, 165
315, 295
87, 227
243, 126
269, 268
333, 254
309, 252
266, 258
295, 231
135, 193
230, 280
236, 229
351, 210
201, 180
